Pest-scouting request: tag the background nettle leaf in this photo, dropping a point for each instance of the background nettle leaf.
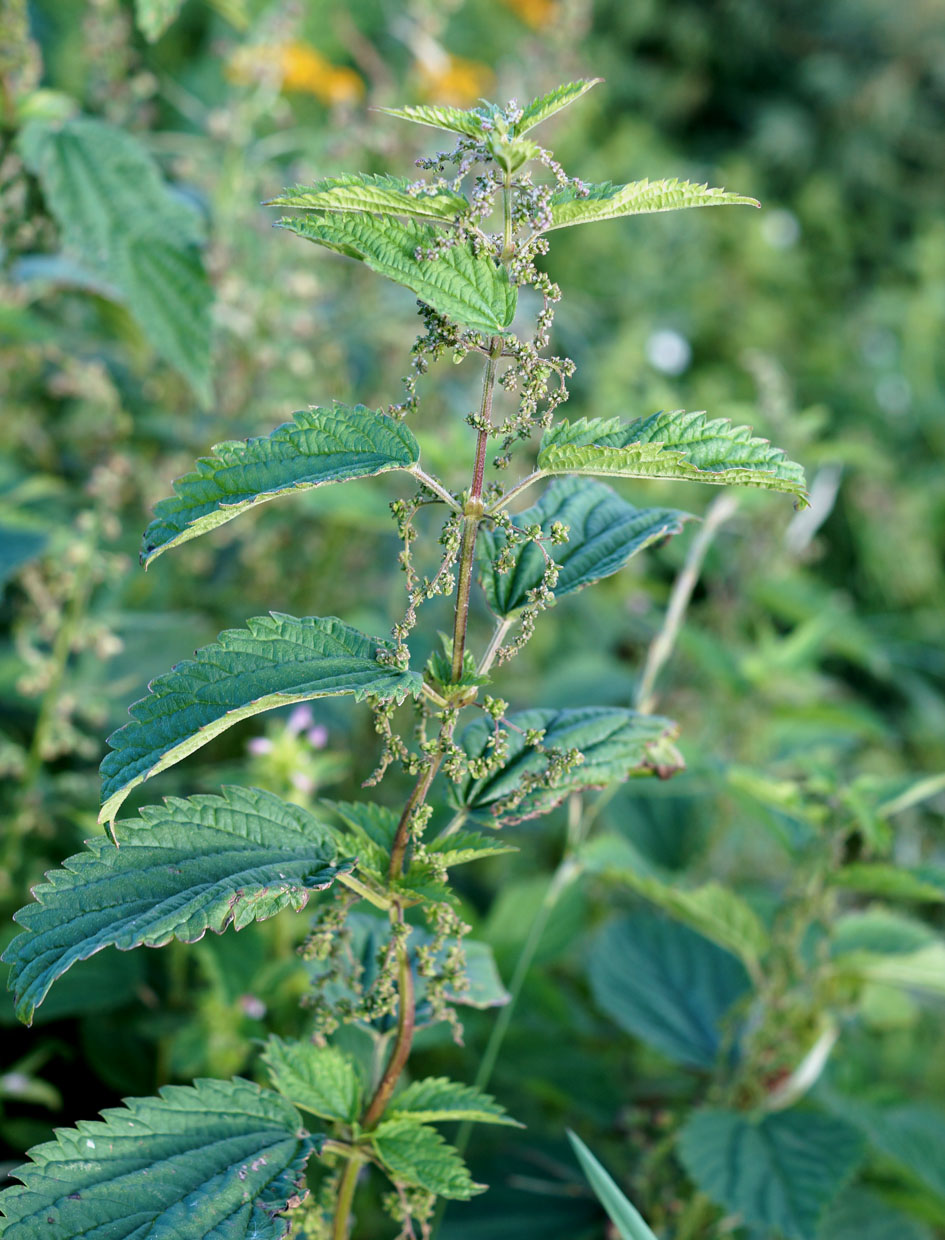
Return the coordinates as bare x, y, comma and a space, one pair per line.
604, 533
275, 661
668, 985
472, 289
182, 868
218, 1160
116, 213
608, 201
670, 445
317, 447
377, 194
615, 744
778, 1171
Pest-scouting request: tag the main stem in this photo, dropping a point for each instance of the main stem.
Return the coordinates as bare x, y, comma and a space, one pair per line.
406, 1015
473, 513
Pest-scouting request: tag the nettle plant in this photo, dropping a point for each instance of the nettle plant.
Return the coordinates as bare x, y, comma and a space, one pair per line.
387, 952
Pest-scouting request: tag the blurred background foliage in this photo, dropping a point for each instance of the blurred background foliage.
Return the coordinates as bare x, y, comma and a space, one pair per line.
809, 674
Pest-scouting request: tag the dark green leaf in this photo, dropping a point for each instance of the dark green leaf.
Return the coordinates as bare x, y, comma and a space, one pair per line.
547, 105
320, 1079
472, 290
218, 1161
858, 1214
119, 217
779, 1171
18, 546
319, 446
912, 1134
275, 661
669, 445
615, 744
624, 1216
376, 195
666, 984
608, 201
417, 1155
183, 868
437, 1099
605, 531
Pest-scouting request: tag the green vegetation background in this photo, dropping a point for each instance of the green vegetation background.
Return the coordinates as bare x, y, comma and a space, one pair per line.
809, 679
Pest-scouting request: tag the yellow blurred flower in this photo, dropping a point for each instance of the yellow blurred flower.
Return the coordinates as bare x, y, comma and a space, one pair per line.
296, 66
534, 12
455, 80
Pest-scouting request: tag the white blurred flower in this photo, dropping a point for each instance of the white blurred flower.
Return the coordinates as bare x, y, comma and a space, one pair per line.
668, 351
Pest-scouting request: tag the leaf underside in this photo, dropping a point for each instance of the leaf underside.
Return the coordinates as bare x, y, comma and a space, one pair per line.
182, 868
318, 446
779, 1172
605, 532
215, 1161
320, 1079
616, 744
608, 201
120, 217
676, 445
417, 1155
275, 661
472, 290
437, 1099
380, 194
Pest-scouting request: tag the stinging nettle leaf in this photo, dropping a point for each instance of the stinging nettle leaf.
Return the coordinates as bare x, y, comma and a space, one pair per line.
672, 445
318, 446
666, 984
608, 201
276, 660
623, 1215
120, 218
779, 1172
472, 290
183, 868
380, 195
547, 105
319, 1079
438, 1099
615, 743
215, 1161
604, 533
414, 1154
441, 116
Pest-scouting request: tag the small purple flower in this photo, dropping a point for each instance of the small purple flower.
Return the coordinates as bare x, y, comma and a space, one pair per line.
259, 745
317, 736
300, 719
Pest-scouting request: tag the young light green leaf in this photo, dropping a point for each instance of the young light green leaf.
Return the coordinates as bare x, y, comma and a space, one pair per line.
377, 195
319, 1079
604, 533
623, 1215
117, 215
370, 824
216, 1161
318, 446
779, 1171
608, 201
154, 16
467, 846
547, 105
670, 445
275, 661
183, 868
417, 1155
436, 1099
471, 289
439, 116
666, 984
615, 743
892, 882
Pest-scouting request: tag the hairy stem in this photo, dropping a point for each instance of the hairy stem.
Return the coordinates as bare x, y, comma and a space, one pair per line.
417, 797
406, 1020
346, 1187
495, 643
473, 513
516, 490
